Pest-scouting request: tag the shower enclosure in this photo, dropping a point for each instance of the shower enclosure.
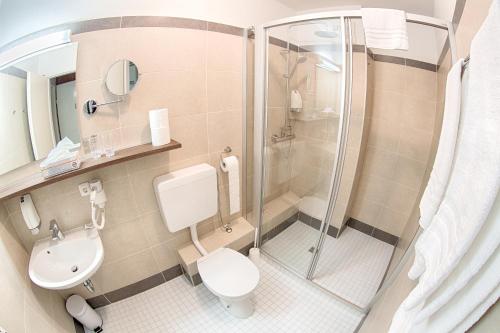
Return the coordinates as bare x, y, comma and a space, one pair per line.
327, 204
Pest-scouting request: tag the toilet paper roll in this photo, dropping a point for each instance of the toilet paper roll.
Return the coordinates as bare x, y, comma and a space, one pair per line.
158, 118
231, 166
160, 136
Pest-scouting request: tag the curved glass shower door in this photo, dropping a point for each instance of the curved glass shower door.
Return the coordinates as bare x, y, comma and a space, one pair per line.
304, 102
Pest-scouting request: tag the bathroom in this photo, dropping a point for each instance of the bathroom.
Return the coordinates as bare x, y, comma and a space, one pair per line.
260, 148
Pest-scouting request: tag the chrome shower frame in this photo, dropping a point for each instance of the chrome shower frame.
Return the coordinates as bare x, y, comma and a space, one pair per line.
260, 125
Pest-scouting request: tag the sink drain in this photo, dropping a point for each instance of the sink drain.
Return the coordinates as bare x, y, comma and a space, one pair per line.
74, 269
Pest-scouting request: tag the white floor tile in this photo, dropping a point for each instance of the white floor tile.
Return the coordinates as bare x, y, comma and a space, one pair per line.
284, 303
351, 266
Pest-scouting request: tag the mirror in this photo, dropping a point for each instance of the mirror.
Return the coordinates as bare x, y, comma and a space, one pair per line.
122, 77
37, 106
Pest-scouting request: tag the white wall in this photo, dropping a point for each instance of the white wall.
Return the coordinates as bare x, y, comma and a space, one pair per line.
20, 17
13, 123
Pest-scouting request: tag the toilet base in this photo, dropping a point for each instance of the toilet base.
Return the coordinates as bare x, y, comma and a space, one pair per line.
242, 308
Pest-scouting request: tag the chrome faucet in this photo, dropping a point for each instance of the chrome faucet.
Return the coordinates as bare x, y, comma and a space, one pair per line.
57, 234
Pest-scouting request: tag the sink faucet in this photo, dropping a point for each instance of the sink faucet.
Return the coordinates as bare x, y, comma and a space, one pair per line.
57, 234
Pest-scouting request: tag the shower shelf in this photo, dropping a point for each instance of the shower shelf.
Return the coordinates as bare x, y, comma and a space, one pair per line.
323, 116
29, 177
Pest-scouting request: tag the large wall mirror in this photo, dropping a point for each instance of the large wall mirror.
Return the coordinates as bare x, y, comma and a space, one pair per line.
37, 106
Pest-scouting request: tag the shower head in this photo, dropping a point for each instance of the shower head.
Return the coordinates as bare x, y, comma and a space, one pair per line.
300, 59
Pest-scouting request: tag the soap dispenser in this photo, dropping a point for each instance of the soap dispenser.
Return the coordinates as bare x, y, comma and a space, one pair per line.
30, 214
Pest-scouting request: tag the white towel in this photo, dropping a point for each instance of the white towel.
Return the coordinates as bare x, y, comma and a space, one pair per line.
473, 185
65, 150
475, 278
441, 170
385, 28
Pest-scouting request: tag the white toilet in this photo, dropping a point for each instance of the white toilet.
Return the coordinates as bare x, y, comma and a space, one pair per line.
187, 197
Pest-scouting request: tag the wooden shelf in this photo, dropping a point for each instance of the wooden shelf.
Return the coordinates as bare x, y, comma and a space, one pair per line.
29, 177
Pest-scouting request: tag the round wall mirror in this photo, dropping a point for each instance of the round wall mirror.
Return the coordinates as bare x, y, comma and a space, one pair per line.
122, 77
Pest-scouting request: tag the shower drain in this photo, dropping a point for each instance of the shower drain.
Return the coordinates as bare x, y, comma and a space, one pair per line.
74, 269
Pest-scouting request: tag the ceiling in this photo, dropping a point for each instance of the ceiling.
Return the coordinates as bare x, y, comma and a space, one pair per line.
423, 7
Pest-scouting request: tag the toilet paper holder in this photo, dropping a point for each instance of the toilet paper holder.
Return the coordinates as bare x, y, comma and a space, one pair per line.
226, 151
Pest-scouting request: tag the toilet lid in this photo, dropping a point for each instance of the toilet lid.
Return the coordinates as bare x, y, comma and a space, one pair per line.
228, 273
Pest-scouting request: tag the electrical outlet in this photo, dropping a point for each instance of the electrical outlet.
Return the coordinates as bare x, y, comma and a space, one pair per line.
3, 330
84, 189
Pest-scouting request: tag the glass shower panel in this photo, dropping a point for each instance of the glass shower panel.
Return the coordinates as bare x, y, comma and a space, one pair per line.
304, 100
391, 140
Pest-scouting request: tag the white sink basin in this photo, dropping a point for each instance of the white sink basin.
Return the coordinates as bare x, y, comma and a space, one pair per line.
63, 264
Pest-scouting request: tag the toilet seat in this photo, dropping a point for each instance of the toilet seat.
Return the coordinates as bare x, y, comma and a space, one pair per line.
228, 273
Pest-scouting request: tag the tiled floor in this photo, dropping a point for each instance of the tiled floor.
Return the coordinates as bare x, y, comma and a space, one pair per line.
284, 303
351, 266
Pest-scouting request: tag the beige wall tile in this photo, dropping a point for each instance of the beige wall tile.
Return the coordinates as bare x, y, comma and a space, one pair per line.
415, 143
224, 91
165, 253
388, 104
120, 208
409, 172
126, 271
224, 52
389, 76
12, 308
420, 83
391, 221
365, 210
192, 132
92, 65
122, 240
418, 113
380, 163
155, 229
384, 134
400, 198
182, 92
174, 49
131, 136
399, 140
224, 129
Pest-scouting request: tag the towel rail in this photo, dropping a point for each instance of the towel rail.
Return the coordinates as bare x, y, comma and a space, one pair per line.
466, 61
